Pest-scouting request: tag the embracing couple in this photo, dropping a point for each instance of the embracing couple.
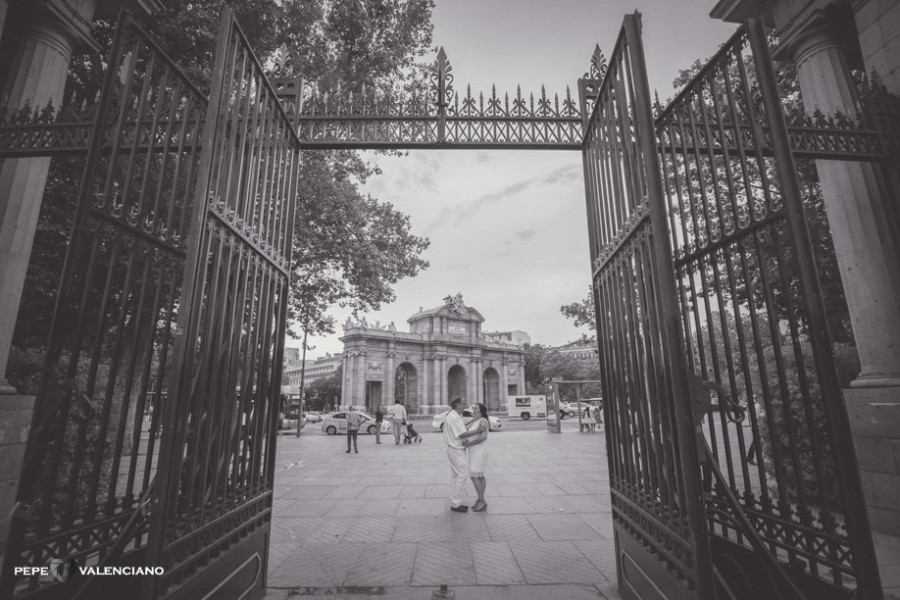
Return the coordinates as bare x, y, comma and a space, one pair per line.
467, 452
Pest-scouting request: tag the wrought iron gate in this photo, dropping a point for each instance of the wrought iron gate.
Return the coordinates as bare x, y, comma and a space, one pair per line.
215, 496
705, 281
152, 441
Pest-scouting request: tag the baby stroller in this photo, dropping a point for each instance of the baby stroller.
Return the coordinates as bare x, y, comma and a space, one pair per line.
412, 435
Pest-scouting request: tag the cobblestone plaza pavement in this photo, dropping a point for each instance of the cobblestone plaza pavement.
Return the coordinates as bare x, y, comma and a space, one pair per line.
378, 524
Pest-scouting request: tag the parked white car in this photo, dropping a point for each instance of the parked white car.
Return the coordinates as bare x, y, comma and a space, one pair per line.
570, 408
337, 423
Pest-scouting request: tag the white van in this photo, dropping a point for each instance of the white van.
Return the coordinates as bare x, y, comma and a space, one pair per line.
527, 406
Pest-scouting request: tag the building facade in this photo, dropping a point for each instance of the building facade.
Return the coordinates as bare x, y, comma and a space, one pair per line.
316, 369
444, 355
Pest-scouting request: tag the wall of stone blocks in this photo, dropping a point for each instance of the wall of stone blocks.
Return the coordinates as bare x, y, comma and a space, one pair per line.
15, 420
875, 423
878, 25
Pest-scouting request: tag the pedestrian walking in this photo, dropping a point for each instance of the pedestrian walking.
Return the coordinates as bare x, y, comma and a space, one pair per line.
353, 421
475, 442
398, 419
379, 419
457, 454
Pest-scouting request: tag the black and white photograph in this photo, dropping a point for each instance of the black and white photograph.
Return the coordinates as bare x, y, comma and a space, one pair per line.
450, 299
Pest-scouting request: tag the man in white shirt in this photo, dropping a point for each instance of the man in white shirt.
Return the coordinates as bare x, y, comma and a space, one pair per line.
397, 414
459, 459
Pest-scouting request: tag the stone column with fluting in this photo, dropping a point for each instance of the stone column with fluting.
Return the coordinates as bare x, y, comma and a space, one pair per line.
867, 250
359, 389
868, 257
442, 383
436, 380
425, 396
36, 79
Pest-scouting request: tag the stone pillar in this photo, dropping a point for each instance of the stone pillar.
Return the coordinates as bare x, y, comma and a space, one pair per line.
359, 390
875, 421
478, 376
346, 385
389, 377
471, 383
426, 398
504, 382
855, 194
867, 253
868, 256
443, 400
37, 78
436, 383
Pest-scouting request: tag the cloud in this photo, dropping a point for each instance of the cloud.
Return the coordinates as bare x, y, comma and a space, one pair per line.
482, 157
563, 174
525, 234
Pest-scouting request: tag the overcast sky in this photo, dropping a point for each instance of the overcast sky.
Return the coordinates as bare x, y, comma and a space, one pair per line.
507, 227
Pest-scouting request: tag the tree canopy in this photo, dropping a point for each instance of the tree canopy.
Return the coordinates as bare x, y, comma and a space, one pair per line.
349, 248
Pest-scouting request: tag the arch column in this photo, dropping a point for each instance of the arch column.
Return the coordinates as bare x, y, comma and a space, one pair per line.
436, 384
504, 382
442, 380
390, 377
426, 401
359, 389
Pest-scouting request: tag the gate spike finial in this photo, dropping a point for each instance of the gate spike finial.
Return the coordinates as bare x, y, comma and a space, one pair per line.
598, 64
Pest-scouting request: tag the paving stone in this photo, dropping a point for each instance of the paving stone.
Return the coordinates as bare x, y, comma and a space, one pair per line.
472, 528
423, 529
583, 504
307, 508
547, 504
554, 562
514, 489
601, 554
371, 529
553, 528
414, 491
601, 522
382, 565
448, 563
426, 506
343, 493
499, 505
315, 565
437, 490
309, 492
495, 564
382, 491
549, 488
510, 527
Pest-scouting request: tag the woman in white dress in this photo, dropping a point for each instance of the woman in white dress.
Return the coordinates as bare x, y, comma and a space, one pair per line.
474, 439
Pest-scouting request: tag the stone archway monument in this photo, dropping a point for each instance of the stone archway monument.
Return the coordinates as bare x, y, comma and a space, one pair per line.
444, 354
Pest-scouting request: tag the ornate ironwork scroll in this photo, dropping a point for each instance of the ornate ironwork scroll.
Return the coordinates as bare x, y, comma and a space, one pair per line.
749, 301
440, 118
661, 537
91, 458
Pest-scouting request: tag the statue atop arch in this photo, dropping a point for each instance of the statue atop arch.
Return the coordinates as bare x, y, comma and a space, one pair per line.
456, 303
